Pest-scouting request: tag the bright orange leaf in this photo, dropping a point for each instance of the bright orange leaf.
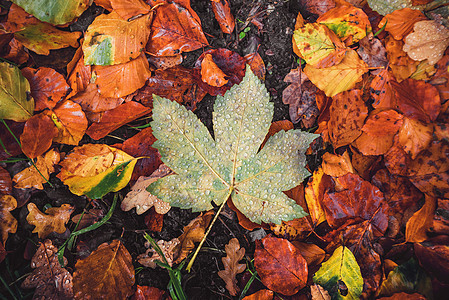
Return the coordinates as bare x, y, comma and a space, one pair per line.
37, 136
254, 60
53, 220
415, 136
400, 22
280, 265
78, 74
314, 193
382, 91
211, 73
420, 222
129, 8
9, 223
91, 100
401, 65
222, 13
337, 165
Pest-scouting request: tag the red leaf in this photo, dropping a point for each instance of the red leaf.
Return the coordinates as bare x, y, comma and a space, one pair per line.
148, 292
5, 182
38, 135
280, 265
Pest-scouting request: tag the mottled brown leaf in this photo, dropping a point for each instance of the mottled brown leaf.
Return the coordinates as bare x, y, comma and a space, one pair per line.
420, 222
149, 258
232, 267
8, 223
5, 182
53, 220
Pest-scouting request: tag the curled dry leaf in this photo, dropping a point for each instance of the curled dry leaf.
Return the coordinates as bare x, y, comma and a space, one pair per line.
107, 271
280, 265
31, 177
141, 199
9, 223
48, 277
211, 73
53, 220
429, 40
231, 265
420, 222
150, 256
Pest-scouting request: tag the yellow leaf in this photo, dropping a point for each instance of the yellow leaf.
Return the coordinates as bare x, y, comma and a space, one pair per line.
314, 192
8, 223
53, 220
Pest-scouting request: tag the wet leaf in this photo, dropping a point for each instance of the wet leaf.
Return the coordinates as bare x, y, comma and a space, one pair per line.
48, 277
142, 200
31, 177
107, 271
340, 77
261, 295
210, 170
429, 40
48, 87
337, 165
5, 182
254, 60
193, 233
14, 94
347, 115
341, 269
223, 14
149, 258
111, 40
314, 193
313, 254
415, 136
37, 136
280, 265
175, 30
120, 80
9, 223
56, 12
420, 222
78, 74
211, 73
117, 117
129, 8
53, 220
385, 7
400, 22
147, 292
91, 100
231, 265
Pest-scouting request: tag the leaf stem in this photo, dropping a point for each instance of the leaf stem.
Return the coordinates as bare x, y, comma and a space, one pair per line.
192, 260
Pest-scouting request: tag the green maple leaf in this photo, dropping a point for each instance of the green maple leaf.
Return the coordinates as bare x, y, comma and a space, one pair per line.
231, 165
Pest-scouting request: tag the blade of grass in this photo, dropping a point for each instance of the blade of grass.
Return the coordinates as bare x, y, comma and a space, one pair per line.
7, 288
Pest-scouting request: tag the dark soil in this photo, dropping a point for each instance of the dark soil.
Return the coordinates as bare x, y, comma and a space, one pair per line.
273, 42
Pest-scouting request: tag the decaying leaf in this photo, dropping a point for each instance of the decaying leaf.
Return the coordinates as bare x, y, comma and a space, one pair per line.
318, 293
48, 277
232, 267
150, 256
429, 40
420, 222
107, 271
280, 265
222, 12
9, 223
36, 176
141, 199
211, 73
415, 136
53, 220
340, 275
212, 170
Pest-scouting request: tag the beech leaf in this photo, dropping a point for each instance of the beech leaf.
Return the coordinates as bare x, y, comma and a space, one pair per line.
211, 170
232, 267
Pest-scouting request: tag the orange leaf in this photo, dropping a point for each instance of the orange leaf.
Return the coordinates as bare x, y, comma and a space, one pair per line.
382, 91
401, 64
254, 60
48, 277
147, 292
441, 79
123, 79
106, 271
314, 193
175, 30
30, 177
415, 136
261, 295
231, 265
91, 100
313, 254
78, 74
396, 160
420, 222
382, 123
337, 165
9, 223
5, 182
113, 119
16, 52
400, 22
347, 114
48, 87
129, 8
280, 265
53, 220
211, 73
222, 13
37, 135
276, 127
70, 121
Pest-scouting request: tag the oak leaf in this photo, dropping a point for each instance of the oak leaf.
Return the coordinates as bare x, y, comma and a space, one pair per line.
280, 265
141, 199
9, 223
150, 256
53, 220
48, 277
231, 165
106, 271
231, 265
36, 176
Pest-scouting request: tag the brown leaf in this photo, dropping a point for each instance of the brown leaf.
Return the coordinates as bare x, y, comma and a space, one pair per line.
48, 87
37, 135
222, 13
400, 22
280, 265
434, 259
48, 277
123, 79
150, 256
313, 254
175, 29
420, 222
403, 295
5, 182
78, 74
261, 295
53, 220
9, 223
31, 177
148, 293
107, 271
193, 233
373, 53
115, 118
165, 62
337, 165
382, 91
142, 200
231, 265
154, 221
91, 100
347, 115
211, 73
16, 51
88, 217
318, 293
415, 136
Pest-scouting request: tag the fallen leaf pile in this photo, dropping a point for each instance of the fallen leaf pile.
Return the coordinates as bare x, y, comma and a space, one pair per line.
100, 106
